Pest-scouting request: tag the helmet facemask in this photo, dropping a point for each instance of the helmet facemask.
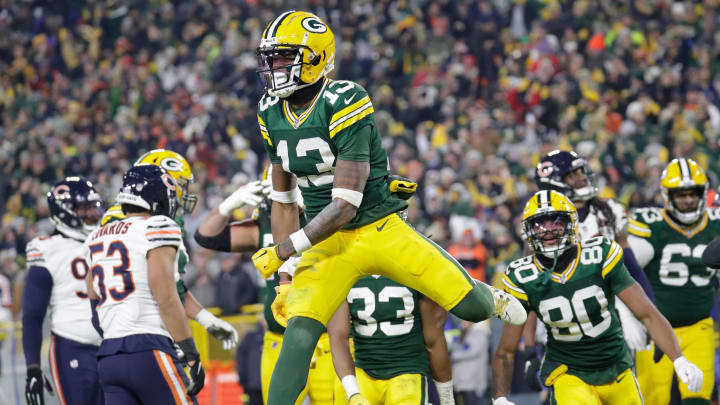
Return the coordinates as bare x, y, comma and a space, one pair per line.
187, 201
282, 80
587, 191
550, 233
687, 217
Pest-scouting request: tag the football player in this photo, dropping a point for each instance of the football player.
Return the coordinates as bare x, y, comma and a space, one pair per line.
321, 134
571, 175
56, 283
132, 271
216, 232
179, 168
669, 243
398, 336
568, 283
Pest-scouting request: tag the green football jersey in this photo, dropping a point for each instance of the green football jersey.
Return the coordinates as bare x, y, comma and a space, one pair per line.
577, 306
333, 127
387, 328
683, 287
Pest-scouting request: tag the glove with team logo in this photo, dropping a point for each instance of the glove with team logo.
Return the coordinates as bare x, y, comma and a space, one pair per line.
267, 261
358, 399
278, 306
191, 359
688, 373
249, 194
219, 329
35, 383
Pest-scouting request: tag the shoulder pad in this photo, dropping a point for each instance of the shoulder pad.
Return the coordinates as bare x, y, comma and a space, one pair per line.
161, 228
34, 252
522, 271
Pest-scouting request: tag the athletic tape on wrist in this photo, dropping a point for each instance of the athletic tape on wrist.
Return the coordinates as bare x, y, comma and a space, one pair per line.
351, 196
349, 382
285, 197
300, 241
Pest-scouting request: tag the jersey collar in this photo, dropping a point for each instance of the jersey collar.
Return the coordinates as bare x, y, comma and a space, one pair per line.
563, 277
296, 120
686, 232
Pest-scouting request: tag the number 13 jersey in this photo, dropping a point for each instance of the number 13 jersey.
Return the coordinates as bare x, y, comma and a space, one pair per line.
683, 286
117, 256
309, 144
577, 307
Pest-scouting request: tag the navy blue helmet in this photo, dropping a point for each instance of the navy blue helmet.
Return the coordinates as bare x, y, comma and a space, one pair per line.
75, 206
553, 170
150, 187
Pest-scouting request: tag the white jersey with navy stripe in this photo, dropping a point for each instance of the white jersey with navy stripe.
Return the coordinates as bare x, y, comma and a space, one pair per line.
117, 254
69, 307
595, 224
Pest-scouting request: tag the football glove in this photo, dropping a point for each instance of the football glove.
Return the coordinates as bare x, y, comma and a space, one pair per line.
34, 385
195, 370
688, 373
278, 306
267, 261
502, 401
266, 187
532, 366
401, 186
218, 328
358, 399
633, 330
249, 194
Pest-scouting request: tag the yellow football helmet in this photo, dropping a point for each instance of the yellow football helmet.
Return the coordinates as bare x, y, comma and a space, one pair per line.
113, 213
179, 169
545, 206
684, 174
299, 35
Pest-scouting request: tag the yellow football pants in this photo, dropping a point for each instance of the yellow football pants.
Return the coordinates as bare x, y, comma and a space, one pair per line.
571, 390
698, 345
404, 389
389, 247
321, 378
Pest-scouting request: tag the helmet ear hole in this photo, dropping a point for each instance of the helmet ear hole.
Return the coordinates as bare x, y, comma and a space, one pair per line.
316, 61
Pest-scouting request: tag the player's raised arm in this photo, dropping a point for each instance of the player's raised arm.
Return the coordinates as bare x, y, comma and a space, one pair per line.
433, 326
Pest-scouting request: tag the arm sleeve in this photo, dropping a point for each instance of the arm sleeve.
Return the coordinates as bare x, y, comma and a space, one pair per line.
711, 255
36, 297
162, 231
351, 125
267, 142
637, 272
356, 147
614, 271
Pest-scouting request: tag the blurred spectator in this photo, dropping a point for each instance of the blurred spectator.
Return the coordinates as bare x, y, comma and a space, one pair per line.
471, 254
469, 354
234, 286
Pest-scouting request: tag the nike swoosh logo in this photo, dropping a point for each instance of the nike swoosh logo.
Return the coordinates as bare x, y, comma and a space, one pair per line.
380, 228
349, 100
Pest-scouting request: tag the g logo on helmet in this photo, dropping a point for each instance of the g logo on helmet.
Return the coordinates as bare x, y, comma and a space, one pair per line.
544, 169
313, 24
171, 164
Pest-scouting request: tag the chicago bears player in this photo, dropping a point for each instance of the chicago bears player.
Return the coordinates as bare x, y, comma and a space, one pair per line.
179, 168
321, 134
399, 340
669, 243
216, 232
55, 284
132, 271
568, 283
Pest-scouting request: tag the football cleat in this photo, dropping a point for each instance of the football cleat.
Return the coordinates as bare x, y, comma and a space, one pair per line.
507, 308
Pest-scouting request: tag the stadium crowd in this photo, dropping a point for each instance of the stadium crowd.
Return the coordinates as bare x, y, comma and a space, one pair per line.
468, 94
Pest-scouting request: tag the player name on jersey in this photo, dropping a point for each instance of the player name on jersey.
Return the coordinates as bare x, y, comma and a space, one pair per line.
113, 228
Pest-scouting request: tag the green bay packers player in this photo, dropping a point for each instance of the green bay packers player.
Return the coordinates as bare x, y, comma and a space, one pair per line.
179, 168
669, 244
399, 339
321, 134
216, 232
570, 285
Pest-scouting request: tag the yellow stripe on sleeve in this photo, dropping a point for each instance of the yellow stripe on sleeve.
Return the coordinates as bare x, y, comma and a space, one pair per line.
513, 290
351, 119
349, 109
612, 259
638, 228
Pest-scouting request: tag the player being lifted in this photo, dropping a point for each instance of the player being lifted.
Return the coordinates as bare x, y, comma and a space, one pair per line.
216, 232
668, 244
569, 283
399, 339
322, 134
132, 271
179, 168
56, 283
571, 175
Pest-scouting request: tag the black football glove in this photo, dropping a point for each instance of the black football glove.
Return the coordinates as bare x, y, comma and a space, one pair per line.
192, 360
34, 385
532, 367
